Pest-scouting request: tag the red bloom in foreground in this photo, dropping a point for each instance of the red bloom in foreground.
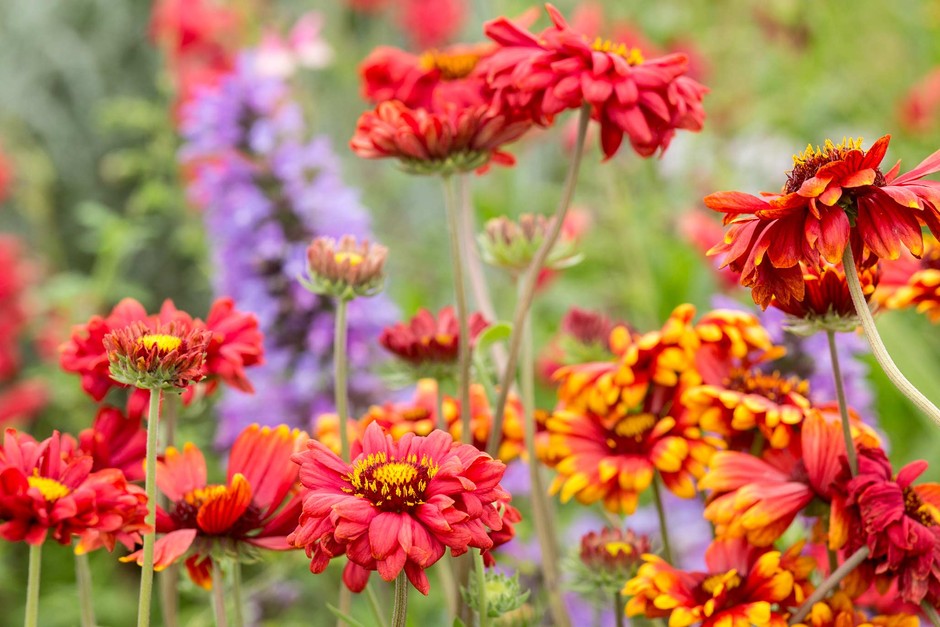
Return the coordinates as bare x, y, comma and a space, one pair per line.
744, 586
256, 507
116, 441
898, 522
157, 357
834, 196
43, 491
428, 339
399, 505
559, 69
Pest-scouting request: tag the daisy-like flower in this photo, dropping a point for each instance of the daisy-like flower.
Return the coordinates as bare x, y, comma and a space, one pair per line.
44, 492
645, 99
157, 358
429, 342
398, 506
256, 507
744, 586
834, 196
346, 268
899, 522
839, 611
826, 303
910, 282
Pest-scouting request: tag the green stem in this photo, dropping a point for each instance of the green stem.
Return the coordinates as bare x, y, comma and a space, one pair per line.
169, 578
843, 405
345, 602
86, 596
238, 619
877, 346
400, 609
339, 374
618, 609
32, 585
457, 257
150, 487
931, 613
530, 279
483, 611
661, 513
376, 607
830, 583
218, 595
542, 513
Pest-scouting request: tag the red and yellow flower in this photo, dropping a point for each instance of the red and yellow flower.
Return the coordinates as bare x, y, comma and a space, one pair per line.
839, 611
157, 357
743, 587
834, 196
826, 303
910, 282
398, 506
116, 440
558, 69
256, 507
429, 340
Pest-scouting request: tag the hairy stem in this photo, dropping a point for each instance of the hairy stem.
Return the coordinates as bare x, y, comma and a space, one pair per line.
877, 346
843, 405
218, 595
169, 578
483, 611
830, 583
400, 609
661, 514
530, 278
86, 595
457, 257
150, 487
32, 585
341, 397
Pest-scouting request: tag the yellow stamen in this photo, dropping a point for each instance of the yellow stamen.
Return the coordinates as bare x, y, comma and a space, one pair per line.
204, 495
395, 473
618, 548
164, 343
829, 149
633, 56
354, 259
50, 489
635, 426
720, 583
452, 65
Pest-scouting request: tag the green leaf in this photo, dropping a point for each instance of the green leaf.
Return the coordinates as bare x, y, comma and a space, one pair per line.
496, 332
352, 622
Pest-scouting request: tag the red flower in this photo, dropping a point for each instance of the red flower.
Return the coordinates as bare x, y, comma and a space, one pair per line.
826, 302
116, 441
431, 23
583, 337
921, 105
22, 401
399, 505
154, 357
833, 196
44, 491
558, 69
236, 344
257, 506
427, 339
910, 282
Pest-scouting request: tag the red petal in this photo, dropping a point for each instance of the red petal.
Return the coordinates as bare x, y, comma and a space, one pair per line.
221, 512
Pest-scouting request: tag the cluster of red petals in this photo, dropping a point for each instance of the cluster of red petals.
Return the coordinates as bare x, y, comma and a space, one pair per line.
910, 282
116, 440
834, 197
839, 610
398, 506
431, 23
235, 343
257, 506
744, 585
156, 357
899, 523
429, 338
46, 491
560, 69
826, 292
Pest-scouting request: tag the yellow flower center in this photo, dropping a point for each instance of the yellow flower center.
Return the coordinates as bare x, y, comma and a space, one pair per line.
773, 387
203, 495
633, 56
925, 513
354, 259
618, 548
828, 152
451, 65
164, 343
716, 584
635, 426
391, 485
50, 489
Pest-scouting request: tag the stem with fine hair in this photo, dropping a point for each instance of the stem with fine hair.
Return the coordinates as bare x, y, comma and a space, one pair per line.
931, 613
169, 578
830, 583
150, 487
457, 257
530, 278
238, 619
218, 595
86, 597
843, 405
877, 346
540, 506
483, 611
341, 398
661, 514
32, 585
400, 609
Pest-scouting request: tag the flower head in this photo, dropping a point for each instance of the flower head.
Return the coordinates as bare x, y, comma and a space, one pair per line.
429, 343
257, 506
826, 304
117, 441
840, 611
512, 245
606, 559
398, 506
834, 196
154, 358
346, 268
560, 68
911, 282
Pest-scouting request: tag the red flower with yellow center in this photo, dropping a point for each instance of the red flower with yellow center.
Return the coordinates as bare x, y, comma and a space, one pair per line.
910, 282
155, 358
839, 611
560, 69
743, 587
429, 340
398, 506
256, 508
834, 196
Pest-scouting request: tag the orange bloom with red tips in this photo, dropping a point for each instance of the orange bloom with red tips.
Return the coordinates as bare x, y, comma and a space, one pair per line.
834, 196
743, 587
839, 611
256, 507
826, 303
646, 100
910, 282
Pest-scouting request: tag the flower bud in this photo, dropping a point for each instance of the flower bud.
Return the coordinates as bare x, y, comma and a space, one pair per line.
345, 269
513, 245
168, 356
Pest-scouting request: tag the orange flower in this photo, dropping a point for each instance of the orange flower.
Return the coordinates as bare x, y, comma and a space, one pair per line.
839, 611
911, 282
826, 303
834, 196
744, 586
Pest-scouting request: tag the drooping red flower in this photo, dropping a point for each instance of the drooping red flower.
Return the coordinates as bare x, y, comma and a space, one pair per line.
46, 492
834, 196
398, 506
826, 303
429, 340
257, 506
645, 99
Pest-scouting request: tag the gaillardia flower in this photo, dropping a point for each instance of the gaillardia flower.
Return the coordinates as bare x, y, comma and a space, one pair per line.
839, 611
256, 507
560, 69
910, 282
345, 269
606, 559
512, 245
826, 304
834, 196
398, 506
157, 358
428, 342
743, 587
